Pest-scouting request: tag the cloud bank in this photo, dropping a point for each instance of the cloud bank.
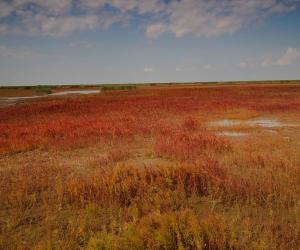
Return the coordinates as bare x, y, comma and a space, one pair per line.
200, 18
291, 55
288, 58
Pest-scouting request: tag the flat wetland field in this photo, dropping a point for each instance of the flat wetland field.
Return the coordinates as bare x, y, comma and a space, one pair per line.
182, 166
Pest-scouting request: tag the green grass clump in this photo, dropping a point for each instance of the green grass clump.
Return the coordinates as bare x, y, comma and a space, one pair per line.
42, 89
118, 87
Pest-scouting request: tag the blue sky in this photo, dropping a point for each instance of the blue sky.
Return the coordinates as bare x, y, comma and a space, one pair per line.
101, 41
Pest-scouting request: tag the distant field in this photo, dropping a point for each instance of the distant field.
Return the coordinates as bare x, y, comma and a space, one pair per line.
157, 166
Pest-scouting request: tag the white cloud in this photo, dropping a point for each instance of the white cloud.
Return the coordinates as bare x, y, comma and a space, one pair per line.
155, 30
93, 3
191, 68
56, 6
194, 18
199, 18
213, 18
82, 44
289, 57
51, 17
267, 62
64, 25
140, 6
5, 9
19, 53
208, 66
243, 65
148, 70
4, 29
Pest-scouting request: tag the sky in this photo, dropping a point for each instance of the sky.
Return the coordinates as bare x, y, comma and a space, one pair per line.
134, 41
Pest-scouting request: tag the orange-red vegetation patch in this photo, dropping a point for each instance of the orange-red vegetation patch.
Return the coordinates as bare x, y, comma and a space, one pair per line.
144, 169
81, 121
